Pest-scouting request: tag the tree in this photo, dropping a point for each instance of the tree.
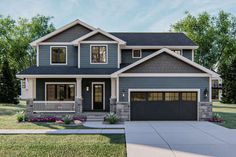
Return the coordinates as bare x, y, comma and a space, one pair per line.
229, 82
8, 86
215, 36
15, 37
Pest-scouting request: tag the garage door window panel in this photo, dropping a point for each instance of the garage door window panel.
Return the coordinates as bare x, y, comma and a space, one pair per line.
171, 96
189, 96
155, 96
138, 96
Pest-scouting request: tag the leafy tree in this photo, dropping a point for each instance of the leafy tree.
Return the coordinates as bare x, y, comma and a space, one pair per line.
8, 86
15, 36
215, 36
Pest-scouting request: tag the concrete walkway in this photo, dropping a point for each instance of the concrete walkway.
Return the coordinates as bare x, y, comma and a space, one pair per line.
179, 139
64, 131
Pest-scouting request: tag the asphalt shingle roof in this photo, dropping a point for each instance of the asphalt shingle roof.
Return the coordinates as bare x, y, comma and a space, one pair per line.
66, 70
155, 39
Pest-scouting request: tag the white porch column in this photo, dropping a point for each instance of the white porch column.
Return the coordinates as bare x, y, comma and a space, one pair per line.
113, 87
79, 88
29, 91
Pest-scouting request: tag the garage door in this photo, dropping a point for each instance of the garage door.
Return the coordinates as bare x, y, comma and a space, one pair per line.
163, 106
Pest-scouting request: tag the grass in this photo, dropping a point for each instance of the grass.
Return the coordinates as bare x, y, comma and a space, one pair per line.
228, 112
62, 145
8, 119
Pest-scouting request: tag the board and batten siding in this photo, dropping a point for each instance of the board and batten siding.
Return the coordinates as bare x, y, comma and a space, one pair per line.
85, 56
44, 55
126, 83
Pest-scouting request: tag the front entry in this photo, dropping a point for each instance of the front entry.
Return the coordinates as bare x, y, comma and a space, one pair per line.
98, 96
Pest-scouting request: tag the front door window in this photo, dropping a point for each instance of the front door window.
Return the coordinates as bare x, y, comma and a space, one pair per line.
98, 96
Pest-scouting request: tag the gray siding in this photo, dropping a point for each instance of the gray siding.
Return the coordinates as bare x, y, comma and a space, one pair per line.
164, 63
126, 55
99, 37
44, 55
163, 82
87, 95
69, 34
40, 86
85, 56
187, 54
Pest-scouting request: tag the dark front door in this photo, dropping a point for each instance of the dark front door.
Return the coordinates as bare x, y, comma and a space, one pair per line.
163, 106
98, 97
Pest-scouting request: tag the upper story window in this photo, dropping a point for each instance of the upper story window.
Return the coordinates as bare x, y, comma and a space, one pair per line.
179, 52
98, 54
58, 55
136, 54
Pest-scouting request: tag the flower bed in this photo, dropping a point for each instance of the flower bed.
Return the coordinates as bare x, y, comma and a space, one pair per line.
54, 119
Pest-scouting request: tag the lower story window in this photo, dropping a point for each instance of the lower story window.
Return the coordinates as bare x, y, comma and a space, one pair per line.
60, 92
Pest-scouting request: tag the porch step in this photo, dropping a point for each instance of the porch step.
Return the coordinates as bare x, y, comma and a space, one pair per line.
95, 116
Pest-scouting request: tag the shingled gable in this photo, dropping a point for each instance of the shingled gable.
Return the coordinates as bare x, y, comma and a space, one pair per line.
98, 31
60, 30
165, 50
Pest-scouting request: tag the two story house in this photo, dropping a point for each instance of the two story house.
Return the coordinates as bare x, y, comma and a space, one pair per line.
139, 76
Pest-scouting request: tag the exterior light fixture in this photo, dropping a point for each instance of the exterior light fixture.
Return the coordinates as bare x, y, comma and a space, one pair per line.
87, 88
206, 92
123, 93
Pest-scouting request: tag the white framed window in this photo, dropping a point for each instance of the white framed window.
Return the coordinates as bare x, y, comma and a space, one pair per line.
58, 55
98, 54
136, 54
179, 52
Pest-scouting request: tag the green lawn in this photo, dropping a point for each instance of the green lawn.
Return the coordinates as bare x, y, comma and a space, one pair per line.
228, 112
62, 145
8, 119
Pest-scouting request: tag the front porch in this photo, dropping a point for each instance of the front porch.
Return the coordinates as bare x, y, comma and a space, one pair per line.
74, 96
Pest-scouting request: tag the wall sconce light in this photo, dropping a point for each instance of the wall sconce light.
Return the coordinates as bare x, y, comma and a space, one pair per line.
87, 88
123, 93
206, 92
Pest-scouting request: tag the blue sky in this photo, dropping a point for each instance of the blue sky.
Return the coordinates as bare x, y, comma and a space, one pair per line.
116, 15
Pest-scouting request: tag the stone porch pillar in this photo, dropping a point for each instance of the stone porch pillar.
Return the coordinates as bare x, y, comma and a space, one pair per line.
78, 99
29, 93
113, 95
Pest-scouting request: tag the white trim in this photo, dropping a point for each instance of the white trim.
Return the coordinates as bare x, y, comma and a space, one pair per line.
54, 102
171, 53
45, 90
63, 76
55, 43
181, 51
117, 89
193, 55
54, 111
98, 30
164, 75
103, 90
167, 90
98, 42
210, 89
78, 55
159, 47
118, 56
37, 53
98, 46
140, 53
51, 55
34, 43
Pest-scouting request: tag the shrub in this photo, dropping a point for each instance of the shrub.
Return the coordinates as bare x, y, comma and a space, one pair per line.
217, 118
46, 119
21, 116
111, 118
67, 119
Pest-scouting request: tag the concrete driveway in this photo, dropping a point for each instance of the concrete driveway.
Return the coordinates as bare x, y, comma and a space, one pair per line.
179, 139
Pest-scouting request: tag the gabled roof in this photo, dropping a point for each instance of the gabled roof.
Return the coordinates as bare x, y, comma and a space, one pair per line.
165, 50
98, 30
155, 39
34, 43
